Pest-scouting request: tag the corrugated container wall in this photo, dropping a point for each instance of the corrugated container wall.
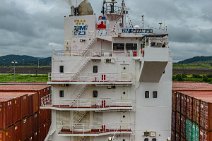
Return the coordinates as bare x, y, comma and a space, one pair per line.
192, 112
21, 119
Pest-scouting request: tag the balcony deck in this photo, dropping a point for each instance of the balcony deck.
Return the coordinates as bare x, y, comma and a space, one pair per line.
93, 79
88, 104
94, 132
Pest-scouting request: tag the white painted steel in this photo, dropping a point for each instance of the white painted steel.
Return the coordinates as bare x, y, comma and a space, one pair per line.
118, 81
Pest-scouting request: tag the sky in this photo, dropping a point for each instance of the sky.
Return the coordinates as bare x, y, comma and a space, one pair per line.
35, 27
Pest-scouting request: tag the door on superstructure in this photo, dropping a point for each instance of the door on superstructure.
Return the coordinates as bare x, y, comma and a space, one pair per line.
124, 120
124, 93
124, 72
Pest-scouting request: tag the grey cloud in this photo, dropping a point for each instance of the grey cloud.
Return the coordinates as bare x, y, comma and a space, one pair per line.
30, 31
189, 35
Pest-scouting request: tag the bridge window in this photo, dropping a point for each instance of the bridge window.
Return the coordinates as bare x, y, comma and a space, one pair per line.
61, 69
155, 94
131, 46
118, 46
146, 94
61, 93
95, 94
146, 139
95, 69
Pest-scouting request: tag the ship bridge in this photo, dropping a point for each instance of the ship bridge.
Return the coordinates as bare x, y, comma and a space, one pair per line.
155, 58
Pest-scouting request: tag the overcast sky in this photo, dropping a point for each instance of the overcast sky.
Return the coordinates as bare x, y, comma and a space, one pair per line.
35, 27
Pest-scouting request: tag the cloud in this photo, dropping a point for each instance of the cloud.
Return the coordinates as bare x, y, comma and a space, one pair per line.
35, 27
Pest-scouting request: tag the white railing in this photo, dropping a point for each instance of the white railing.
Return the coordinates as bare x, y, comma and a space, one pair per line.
46, 100
96, 129
88, 52
91, 77
89, 103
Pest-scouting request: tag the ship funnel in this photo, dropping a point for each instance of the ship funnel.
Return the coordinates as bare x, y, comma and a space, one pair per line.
85, 8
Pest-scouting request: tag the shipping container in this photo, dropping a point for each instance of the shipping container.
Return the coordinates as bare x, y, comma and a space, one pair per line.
178, 120
21, 98
183, 126
205, 135
178, 95
206, 115
35, 103
42, 132
23, 88
35, 136
27, 130
7, 134
196, 110
6, 110
35, 122
42, 117
183, 104
182, 138
173, 120
17, 131
192, 131
174, 101
17, 110
188, 129
173, 135
177, 137
189, 107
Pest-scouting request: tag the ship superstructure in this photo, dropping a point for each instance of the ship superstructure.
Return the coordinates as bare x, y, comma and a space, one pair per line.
112, 81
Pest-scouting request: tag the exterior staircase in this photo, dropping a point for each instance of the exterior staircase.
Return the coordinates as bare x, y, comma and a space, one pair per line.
82, 66
88, 47
79, 92
83, 138
79, 116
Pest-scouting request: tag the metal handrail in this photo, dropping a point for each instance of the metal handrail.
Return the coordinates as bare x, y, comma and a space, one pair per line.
83, 128
46, 100
90, 77
94, 103
81, 52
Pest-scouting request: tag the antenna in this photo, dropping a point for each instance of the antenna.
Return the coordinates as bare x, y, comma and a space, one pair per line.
160, 27
142, 21
71, 7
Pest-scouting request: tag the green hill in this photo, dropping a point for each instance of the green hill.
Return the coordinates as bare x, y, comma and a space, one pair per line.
24, 60
199, 62
198, 59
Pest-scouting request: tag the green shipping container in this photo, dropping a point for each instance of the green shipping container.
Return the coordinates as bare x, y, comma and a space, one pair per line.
188, 130
192, 131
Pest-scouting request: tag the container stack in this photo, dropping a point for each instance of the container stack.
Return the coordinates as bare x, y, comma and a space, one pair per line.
20, 116
192, 112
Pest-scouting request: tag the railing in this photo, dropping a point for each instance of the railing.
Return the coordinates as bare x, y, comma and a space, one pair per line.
91, 77
46, 100
117, 10
89, 53
88, 103
95, 129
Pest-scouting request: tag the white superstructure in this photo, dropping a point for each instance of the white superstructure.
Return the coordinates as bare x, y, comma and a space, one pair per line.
112, 81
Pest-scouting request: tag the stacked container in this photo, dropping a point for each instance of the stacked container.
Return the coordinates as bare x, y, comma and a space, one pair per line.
20, 116
192, 112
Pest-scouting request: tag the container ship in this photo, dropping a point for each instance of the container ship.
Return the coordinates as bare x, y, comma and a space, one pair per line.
112, 80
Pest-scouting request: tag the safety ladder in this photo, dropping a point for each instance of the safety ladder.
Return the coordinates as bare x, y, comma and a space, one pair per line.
83, 138
82, 66
80, 90
79, 116
88, 47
